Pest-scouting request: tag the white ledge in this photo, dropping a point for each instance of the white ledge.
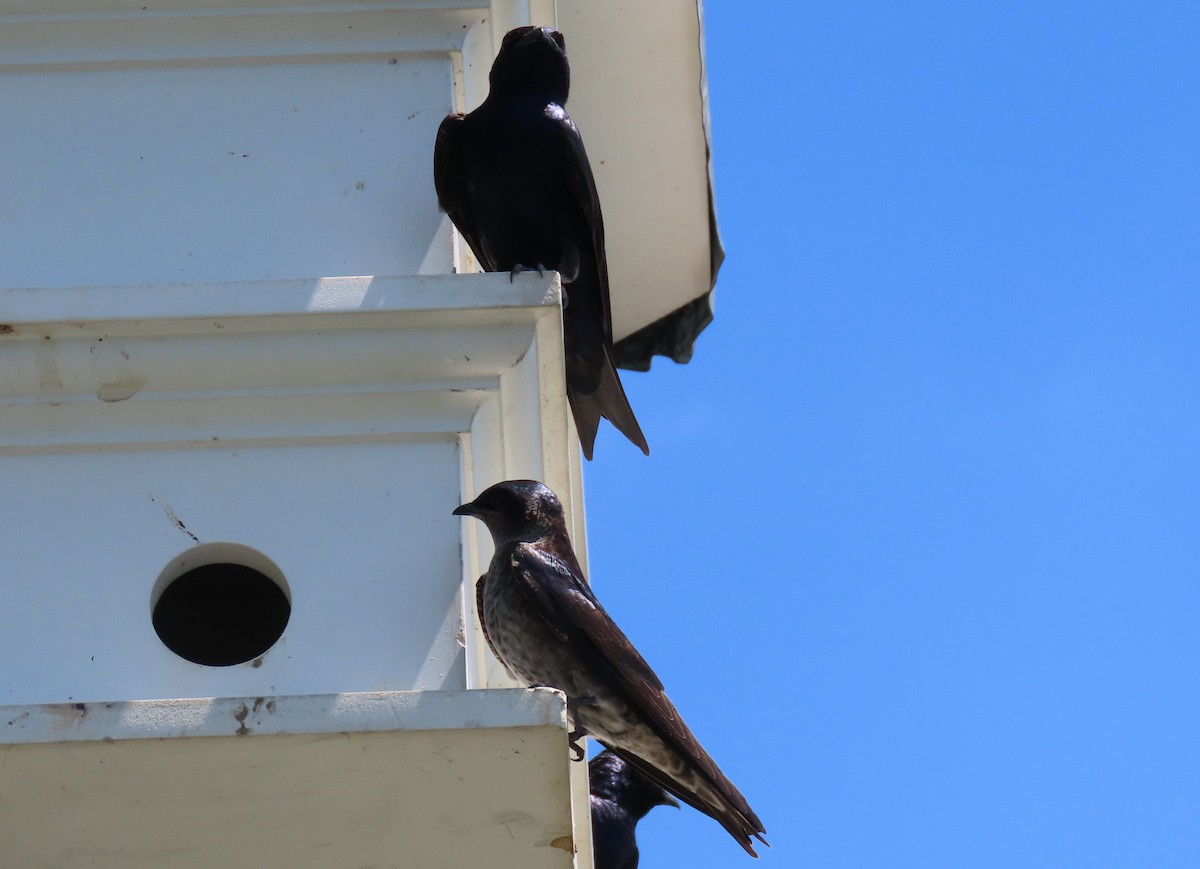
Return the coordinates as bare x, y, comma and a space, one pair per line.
433, 779
290, 714
79, 32
222, 301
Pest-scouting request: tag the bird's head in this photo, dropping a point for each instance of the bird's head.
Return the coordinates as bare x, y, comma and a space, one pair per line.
532, 60
611, 777
517, 510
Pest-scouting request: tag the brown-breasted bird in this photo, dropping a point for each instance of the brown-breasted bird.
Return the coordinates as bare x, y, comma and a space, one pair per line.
619, 797
515, 180
544, 624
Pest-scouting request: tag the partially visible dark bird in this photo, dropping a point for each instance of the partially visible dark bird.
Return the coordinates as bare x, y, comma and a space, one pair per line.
620, 797
543, 622
514, 178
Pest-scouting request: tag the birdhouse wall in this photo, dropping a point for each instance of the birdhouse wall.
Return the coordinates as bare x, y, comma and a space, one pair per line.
319, 432
170, 147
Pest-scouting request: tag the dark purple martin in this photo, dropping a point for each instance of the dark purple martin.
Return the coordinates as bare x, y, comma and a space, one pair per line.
544, 624
620, 796
514, 178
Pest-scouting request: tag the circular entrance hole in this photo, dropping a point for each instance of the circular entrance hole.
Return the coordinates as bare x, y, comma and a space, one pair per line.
220, 604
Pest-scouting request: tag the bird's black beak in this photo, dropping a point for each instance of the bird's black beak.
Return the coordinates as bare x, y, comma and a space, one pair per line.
668, 800
467, 509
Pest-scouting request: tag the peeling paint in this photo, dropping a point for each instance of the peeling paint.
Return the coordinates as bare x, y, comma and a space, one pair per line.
240, 714
66, 714
120, 390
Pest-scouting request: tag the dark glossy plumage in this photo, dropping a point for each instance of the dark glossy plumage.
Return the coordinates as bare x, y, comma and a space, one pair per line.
543, 622
620, 796
515, 179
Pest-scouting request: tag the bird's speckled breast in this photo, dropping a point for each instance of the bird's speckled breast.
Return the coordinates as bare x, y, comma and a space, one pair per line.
538, 655
520, 636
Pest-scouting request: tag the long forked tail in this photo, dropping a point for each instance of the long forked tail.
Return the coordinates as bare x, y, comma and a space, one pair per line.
607, 400
734, 814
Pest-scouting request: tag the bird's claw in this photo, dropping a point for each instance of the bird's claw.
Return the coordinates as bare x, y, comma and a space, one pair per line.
578, 732
518, 268
573, 743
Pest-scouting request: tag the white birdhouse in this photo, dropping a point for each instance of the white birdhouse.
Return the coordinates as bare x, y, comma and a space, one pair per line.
242, 388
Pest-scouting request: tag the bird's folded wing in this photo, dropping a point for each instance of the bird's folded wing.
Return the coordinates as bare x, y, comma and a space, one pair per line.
579, 180
567, 605
450, 182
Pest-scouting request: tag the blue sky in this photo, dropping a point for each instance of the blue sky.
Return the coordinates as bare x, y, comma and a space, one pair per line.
917, 552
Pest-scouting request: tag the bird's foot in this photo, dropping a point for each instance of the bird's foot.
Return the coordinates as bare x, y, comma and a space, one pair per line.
518, 268
578, 732
573, 743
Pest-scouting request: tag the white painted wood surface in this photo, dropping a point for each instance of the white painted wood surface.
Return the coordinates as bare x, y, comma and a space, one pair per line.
429, 779
330, 426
